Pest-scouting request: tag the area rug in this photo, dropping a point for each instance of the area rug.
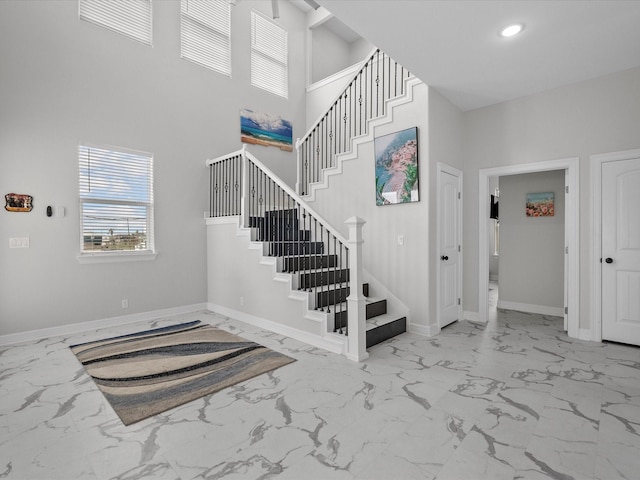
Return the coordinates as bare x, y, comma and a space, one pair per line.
145, 373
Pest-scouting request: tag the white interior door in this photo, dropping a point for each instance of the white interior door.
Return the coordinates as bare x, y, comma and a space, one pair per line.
621, 251
449, 245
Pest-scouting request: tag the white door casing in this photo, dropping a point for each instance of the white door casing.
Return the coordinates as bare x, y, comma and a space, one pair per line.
596, 251
621, 251
449, 245
572, 236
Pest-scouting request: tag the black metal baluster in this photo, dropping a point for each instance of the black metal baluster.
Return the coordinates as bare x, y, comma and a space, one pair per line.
238, 186
240, 190
328, 279
307, 250
350, 113
211, 190
339, 263
377, 82
346, 326
225, 188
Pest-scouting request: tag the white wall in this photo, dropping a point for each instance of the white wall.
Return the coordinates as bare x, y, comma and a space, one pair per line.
64, 81
531, 270
402, 269
329, 52
596, 116
239, 281
445, 146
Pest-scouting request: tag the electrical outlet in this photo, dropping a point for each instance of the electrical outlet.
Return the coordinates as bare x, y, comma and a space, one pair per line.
125, 303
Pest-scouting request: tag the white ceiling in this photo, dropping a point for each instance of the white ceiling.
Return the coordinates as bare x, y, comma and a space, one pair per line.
454, 46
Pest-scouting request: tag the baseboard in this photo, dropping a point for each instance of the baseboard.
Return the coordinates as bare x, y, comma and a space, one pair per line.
528, 308
586, 334
71, 329
333, 344
471, 316
424, 330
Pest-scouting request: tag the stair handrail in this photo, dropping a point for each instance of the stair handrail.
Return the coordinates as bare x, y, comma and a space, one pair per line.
359, 70
333, 132
235, 166
276, 179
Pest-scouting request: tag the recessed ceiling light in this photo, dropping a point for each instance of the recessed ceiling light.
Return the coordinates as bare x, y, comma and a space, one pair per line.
511, 30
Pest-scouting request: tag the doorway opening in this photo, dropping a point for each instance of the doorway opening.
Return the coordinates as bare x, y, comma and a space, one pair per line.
571, 235
526, 244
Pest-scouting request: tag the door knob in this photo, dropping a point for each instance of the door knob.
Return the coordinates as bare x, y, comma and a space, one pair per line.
609, 260
444, 258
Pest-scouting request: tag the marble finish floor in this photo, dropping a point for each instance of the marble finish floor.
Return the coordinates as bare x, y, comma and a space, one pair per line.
512, 399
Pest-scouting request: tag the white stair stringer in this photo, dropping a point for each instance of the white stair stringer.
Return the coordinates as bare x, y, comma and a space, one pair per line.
327, 173
333, 342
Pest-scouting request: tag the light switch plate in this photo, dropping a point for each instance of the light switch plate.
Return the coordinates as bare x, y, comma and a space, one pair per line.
19, 242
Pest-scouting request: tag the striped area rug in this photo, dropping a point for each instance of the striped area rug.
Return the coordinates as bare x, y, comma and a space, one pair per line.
145, 373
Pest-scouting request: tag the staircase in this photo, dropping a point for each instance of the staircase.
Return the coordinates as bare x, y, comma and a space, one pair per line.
323, 268
322, 275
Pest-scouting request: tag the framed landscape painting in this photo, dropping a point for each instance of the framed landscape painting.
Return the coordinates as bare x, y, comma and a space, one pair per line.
265, 129
397, 167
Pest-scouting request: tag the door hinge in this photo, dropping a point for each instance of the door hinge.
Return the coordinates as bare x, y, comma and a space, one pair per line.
458, 301
566, 250
459, 196
566, 188
566, 310
459, 248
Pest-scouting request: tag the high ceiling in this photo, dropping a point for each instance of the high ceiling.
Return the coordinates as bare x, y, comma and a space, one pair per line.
454, 45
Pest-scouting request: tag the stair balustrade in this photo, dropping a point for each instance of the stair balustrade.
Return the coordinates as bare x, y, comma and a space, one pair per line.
380, 78
323, 262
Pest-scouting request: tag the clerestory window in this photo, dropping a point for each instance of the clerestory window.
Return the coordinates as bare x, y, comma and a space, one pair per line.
269, 56
205, 33
128, 17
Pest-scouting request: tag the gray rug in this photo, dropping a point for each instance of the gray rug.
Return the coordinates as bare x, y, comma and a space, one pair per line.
145, 373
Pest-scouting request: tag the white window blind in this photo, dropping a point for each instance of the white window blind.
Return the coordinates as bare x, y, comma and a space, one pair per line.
128, 17
116, 200
269, 56
205, 33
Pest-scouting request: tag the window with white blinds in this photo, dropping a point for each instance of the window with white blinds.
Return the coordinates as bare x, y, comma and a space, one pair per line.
205, 33
269, 56
116, 200
128, 17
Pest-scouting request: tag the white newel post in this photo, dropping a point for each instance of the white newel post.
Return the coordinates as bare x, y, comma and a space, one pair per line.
244, 201
357, 338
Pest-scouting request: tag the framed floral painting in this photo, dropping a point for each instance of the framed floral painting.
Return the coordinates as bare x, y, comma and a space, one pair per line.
540, 204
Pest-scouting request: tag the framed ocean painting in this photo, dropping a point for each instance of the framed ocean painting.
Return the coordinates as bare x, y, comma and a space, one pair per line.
397, 167
265, 129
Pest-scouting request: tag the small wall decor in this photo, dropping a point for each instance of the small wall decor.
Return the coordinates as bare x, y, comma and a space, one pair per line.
540, 204
265, 129
397, 167
17, 202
